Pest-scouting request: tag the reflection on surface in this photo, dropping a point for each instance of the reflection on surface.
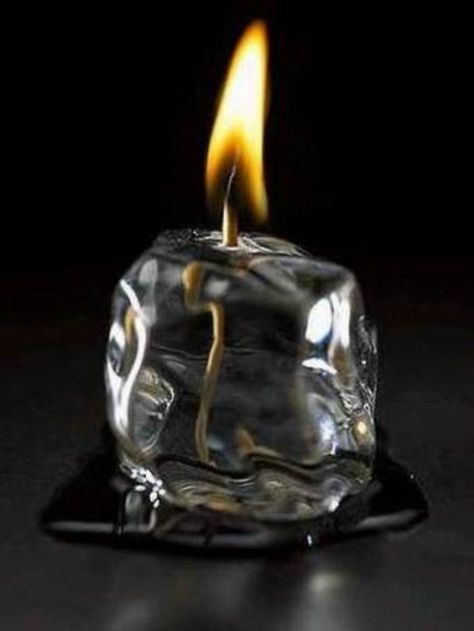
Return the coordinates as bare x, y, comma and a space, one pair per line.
154, 587
284, 592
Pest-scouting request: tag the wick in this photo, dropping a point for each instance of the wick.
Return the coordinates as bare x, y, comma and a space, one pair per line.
192, 280
230, 226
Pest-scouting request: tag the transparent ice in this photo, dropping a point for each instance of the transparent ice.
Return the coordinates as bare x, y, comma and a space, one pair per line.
241, 380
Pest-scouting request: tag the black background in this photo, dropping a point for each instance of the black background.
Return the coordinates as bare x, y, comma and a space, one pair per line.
111, 112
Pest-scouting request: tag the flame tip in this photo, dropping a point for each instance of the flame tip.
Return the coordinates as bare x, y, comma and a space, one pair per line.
236, 144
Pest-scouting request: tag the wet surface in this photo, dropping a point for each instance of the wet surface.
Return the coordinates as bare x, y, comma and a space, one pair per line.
100, 505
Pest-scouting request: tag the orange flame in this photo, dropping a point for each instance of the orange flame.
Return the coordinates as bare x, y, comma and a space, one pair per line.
235, 156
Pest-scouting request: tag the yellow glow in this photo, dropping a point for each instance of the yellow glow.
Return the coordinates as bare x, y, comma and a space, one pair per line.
236, 145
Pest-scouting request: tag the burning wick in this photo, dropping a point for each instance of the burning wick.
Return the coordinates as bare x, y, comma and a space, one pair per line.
235, 155
230, 226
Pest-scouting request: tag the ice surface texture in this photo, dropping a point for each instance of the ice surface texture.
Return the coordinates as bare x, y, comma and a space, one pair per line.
241, 380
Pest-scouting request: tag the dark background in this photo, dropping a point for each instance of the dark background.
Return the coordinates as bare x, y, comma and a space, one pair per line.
111, 113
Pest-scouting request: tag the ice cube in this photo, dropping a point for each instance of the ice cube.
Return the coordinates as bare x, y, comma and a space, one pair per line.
242, 380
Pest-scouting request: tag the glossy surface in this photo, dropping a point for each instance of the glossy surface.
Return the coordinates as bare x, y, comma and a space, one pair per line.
242, 380
103, 506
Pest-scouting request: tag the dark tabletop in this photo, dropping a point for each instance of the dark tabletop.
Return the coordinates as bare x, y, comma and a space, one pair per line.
53, 413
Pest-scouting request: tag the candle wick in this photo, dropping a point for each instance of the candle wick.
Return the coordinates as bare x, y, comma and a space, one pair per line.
230, 227
192, 281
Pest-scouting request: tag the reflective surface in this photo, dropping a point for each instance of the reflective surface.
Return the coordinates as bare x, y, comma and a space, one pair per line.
103, 506
241, 380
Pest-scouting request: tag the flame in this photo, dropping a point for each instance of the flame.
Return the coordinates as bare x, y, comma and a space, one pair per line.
235, 156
